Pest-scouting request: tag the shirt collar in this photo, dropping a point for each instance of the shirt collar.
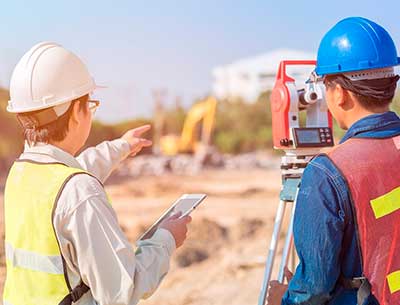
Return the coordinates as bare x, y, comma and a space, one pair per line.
41, 152
371, 122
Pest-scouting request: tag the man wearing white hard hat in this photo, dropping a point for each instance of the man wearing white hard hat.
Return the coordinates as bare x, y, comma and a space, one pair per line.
63, 242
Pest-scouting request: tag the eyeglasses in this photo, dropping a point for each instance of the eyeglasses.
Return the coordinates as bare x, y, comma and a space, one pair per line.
93, 105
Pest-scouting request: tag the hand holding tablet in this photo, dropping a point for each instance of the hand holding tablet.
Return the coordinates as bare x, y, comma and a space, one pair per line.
184, 206
177, 226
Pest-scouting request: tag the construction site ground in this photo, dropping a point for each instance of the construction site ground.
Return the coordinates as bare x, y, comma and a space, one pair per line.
222, 261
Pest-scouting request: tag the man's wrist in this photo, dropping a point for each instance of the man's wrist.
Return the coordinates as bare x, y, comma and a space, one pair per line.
165, 237
122, 146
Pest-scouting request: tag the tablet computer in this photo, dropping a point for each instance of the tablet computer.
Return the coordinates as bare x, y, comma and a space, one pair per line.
185, 204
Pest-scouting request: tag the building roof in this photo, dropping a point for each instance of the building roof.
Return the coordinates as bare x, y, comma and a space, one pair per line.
265, 63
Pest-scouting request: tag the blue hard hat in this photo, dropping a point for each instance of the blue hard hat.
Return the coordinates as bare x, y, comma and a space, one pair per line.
355, 44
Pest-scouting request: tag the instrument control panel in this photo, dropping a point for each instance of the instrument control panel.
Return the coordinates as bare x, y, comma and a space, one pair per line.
313, 137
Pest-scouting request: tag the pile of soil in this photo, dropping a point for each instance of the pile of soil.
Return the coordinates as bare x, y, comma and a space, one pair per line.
247, 228
206, 237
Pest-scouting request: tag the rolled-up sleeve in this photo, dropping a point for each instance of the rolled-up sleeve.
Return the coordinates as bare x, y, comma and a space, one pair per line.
318, 233
105, 259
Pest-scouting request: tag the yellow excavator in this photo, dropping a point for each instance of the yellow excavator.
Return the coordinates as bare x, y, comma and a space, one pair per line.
189, 141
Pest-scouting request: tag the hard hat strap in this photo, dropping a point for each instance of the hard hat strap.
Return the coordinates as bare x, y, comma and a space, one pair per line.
379, 89
38, 118
370, 74
46, 116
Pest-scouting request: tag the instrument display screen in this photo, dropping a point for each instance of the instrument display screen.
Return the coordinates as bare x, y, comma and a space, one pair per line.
308, 136
313, 137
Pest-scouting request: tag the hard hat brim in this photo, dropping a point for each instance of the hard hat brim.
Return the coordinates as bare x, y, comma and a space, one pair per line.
68, 99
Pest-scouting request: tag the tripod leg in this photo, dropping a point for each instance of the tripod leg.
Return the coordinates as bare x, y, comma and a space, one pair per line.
288, 244
272, 251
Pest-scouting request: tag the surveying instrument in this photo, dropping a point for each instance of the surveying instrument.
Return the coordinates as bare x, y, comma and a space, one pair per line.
300, 141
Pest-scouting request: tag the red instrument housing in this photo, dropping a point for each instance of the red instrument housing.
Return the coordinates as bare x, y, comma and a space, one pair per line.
280, 102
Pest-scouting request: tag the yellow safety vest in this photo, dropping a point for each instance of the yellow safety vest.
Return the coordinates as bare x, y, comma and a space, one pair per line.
36, 272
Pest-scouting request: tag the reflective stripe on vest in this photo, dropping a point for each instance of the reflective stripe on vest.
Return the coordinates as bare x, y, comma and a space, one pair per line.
35, 273
371, 168
34, 261
394, 281
386, 204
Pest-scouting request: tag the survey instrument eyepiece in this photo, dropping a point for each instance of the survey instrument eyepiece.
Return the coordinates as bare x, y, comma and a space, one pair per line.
306, 98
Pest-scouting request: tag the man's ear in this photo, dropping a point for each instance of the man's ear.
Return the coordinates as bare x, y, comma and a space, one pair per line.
339, 96
75, 113
343, 98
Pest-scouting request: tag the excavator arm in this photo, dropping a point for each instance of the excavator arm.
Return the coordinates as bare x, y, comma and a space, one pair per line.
205, 112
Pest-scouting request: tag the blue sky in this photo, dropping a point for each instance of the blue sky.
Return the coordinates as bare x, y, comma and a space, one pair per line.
136, 46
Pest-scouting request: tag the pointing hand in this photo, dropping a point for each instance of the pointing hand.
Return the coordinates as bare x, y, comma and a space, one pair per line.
135, 140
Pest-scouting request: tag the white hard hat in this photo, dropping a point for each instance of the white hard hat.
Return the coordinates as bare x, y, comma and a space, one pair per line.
46, 76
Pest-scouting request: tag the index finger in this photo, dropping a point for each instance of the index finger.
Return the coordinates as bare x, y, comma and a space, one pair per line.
140, 130
175, 215
288, 274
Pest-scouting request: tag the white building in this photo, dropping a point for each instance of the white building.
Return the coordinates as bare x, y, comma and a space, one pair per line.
247, 78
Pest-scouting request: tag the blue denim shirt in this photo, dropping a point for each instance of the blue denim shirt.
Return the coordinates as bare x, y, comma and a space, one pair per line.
324, 230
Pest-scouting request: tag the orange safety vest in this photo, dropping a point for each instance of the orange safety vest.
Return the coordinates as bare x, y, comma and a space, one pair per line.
371, 168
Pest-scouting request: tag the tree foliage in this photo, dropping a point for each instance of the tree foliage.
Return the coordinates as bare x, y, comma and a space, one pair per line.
243, 127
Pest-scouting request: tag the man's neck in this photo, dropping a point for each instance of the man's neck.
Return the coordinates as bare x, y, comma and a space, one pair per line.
66, 146
362, 113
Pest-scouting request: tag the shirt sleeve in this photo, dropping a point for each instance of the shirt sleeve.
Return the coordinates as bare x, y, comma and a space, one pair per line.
102, 159
318, 232
100, 251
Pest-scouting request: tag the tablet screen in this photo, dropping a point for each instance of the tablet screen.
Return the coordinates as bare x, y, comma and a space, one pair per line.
185, 204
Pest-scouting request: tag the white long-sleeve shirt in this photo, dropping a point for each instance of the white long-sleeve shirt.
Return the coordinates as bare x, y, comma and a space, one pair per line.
91, 241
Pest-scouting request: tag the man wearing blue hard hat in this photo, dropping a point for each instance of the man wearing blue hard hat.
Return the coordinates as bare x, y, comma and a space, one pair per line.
347, 219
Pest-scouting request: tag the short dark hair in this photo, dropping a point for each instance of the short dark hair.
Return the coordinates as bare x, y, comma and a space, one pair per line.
362, 94
54, 131
370, 103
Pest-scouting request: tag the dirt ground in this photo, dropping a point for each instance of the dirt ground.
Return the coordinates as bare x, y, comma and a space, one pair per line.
222, 261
